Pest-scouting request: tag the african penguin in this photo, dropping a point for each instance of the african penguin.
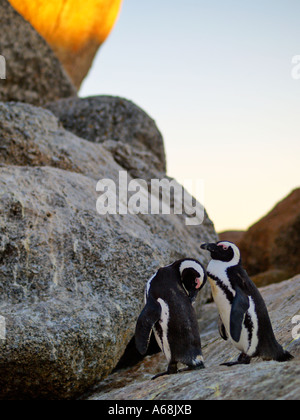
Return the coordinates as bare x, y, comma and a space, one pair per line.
168, 311
243, 313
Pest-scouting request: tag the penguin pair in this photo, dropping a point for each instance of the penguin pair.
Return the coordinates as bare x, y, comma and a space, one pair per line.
243, 313
169, 313
244, 317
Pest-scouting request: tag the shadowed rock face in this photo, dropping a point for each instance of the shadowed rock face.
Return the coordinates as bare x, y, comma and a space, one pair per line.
277, 241
271, 247
126, 131
260, 380
72, 281
33, 73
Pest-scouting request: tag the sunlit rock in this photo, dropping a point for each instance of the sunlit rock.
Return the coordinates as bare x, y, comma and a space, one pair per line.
74, 29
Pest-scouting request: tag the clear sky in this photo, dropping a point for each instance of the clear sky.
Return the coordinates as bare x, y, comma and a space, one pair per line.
216, 77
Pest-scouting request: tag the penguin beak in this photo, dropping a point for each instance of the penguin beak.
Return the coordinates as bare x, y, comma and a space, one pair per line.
209, 247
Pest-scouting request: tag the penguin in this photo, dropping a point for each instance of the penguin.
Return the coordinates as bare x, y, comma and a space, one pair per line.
244, 317
169, 312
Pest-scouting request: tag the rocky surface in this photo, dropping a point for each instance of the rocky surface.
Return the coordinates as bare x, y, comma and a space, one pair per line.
125, 130
34, 137
72, 281
74, 30
259, 381
275, 256
234, 236
33, 73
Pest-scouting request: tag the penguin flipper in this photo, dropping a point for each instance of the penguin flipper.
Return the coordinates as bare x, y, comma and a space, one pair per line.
239, 308
146, 321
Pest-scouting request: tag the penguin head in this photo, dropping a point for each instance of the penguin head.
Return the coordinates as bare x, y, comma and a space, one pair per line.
224, 251
193, 277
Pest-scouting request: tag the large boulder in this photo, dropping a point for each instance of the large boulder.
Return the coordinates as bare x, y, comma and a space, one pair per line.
74, 30
234, 236
271, 247
258, 381
125, 129
71, 280
33, 73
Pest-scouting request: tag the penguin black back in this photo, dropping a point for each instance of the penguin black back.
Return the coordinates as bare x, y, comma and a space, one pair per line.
243, 312
267, 347
170, 314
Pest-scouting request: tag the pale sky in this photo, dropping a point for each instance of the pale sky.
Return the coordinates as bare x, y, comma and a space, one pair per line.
216, 77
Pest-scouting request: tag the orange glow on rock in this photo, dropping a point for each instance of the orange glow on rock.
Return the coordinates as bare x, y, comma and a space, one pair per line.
70, 24
74, 29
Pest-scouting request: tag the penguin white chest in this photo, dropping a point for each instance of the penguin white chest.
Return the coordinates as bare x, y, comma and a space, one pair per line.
220, 291
162, 340
223, 295
222, 302
224, 308
249, 336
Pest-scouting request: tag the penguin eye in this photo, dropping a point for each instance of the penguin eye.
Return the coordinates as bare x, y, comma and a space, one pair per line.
224, 247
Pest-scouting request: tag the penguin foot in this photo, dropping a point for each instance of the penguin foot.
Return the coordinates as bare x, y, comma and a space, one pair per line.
233, 364
172, 369
242, 360
160, 375
191, 368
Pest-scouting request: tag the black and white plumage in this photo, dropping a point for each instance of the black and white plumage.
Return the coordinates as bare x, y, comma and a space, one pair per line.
168, 311
243, 313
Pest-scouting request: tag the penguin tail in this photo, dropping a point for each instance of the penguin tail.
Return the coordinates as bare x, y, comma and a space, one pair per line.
284, 356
